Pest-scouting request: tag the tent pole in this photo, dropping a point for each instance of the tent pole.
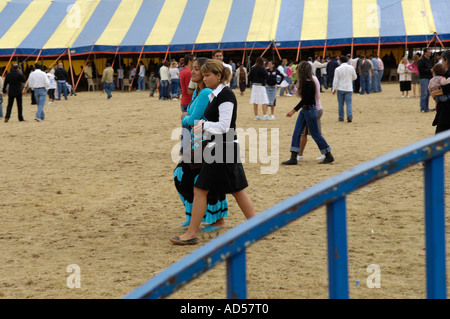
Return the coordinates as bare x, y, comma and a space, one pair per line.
379, 45
39, 55
193, 49
351, 50
137, 66
298, 50
276, 49
167, 52
9, 62
114, 60
266, 49
325, 49
54, 62
70, 66
439, 39
82, 70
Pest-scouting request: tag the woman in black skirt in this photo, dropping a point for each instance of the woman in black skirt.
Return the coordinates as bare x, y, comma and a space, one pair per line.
222, 170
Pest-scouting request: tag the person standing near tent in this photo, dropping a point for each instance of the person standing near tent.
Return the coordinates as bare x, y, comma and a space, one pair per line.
186, 97
241, 78
61, 76
380, 71
331, 67
218, 55
344, 76
13, 81
366, 73
39, 83
375, 64
258, 77
52, 87
413, 67
164, 81
404, 77
274, 77
425, 76
107, 79
174, 79
141, 76
89, 76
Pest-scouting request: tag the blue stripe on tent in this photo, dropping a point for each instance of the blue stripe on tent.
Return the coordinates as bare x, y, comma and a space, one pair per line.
49, 22
97, 23
391, 18
343, 41
290, 22
238, 23
10, 13
367, 40
340, 20
189, 25
312, 43
142, 25
441, 9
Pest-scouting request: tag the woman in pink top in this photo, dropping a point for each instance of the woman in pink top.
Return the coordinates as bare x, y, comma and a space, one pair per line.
415, 75
304, 137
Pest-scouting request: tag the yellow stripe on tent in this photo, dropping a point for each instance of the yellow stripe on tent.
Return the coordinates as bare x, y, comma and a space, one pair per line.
72, 25
366, 19
167, 23
120, 23
215, 21
3, 5
315, 20
418, 17
24, 24
264, 21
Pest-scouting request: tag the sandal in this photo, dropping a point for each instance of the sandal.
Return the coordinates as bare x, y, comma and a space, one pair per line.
177, 241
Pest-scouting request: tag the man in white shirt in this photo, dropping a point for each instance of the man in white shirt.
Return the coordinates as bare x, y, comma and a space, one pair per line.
39, 83
141, 78
218, 55
344, 76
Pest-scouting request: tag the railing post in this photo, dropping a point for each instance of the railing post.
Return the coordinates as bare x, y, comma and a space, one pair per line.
337, 249
435, 228
237, 276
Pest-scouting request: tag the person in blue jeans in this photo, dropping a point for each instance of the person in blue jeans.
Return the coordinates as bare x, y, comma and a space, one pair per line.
343, 84
424, 65
307, 116
39, 83
366, 72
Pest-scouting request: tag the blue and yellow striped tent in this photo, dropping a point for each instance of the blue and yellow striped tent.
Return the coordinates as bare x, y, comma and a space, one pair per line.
49, 27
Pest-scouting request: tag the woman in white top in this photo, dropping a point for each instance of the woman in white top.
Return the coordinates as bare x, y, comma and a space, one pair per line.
404, 77
52, 87
174, 73
164, 76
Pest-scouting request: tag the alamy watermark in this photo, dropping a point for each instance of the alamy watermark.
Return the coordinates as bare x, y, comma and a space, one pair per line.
219, 150
74, 279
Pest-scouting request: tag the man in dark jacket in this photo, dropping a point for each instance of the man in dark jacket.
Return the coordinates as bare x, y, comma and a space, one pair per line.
424, 65
13, 81
331, 67
61, 77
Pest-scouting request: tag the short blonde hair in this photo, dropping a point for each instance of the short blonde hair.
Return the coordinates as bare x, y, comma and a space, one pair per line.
216, 67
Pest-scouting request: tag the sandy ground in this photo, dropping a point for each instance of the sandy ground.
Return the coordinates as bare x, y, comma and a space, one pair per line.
92, 185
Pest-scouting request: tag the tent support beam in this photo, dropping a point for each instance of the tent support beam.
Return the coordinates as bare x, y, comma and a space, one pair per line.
137, 69
298, 50
325, 49
82, 70
276, 50
9, 62
115, 55
70, 66
266, 49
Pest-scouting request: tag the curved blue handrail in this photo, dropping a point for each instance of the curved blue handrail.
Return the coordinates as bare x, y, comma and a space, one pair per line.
231, 246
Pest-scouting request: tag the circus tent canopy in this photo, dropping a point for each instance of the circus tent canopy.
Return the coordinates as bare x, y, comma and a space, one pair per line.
49, 27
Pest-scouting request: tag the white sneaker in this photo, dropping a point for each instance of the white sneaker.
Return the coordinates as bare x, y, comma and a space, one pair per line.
299, 157
403, 96
266, 117
50, 103
408, 96
257, 118
288, 94
272, 117
320, 158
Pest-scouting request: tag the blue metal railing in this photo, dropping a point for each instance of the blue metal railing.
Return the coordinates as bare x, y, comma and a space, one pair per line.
231, 246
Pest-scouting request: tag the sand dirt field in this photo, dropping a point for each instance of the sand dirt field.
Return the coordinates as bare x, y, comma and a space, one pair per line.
92, 185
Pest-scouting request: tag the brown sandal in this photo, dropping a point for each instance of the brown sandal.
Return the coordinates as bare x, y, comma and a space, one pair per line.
177, 241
